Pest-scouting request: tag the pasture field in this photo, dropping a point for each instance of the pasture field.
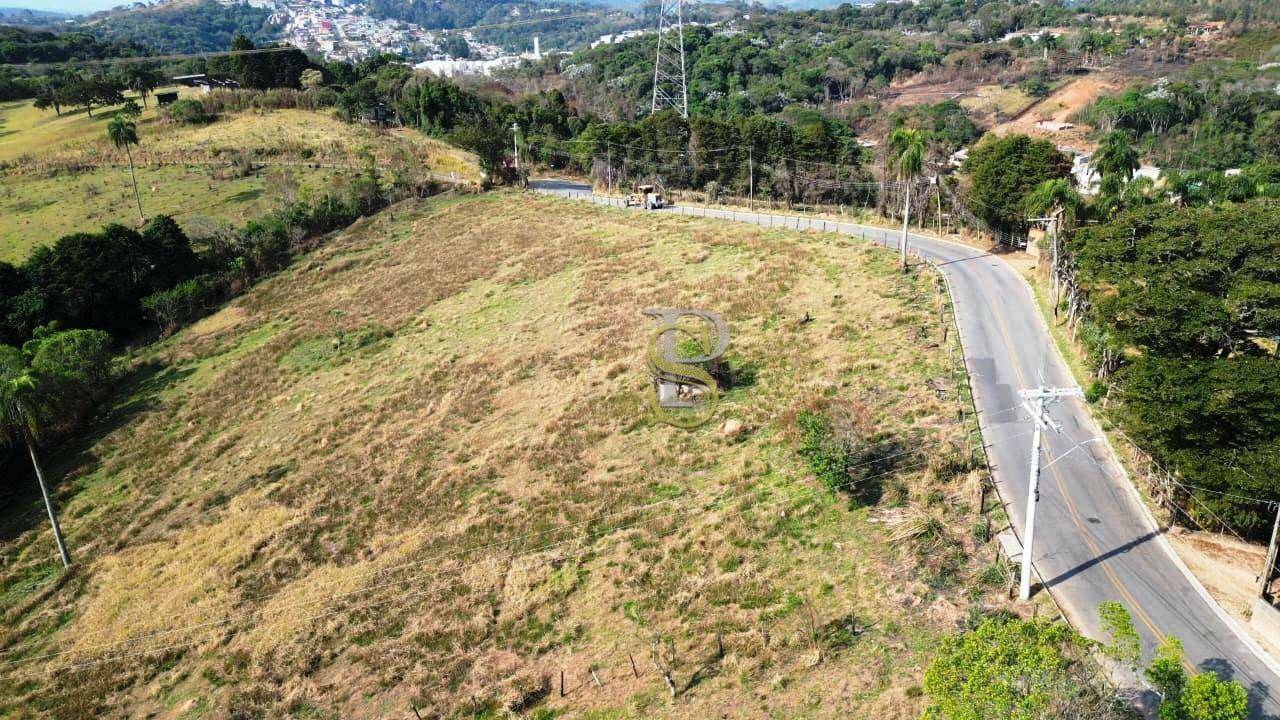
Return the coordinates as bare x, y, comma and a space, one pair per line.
417, 467
231, 170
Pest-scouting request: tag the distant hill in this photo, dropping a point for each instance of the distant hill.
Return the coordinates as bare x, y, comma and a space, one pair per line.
29, 16
177, 27
22, 45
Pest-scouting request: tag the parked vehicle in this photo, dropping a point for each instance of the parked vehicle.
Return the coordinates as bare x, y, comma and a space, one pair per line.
646, 196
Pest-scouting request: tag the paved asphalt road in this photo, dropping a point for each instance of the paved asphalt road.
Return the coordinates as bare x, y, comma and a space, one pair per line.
1094, 541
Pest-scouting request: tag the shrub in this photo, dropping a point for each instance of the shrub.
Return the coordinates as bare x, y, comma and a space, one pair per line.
840, 447
188, 111
184, 302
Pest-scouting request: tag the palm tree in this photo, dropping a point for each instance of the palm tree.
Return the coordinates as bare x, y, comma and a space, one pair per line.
906, 158
1116, 157
1059, 200
124, 133
22, 406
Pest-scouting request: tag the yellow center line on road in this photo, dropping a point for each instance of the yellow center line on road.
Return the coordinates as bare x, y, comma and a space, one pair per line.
1074, 512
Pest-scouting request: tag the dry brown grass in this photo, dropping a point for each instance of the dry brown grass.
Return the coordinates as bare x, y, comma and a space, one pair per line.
416, 467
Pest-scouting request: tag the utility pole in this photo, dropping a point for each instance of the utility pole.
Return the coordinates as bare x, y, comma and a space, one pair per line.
515, 141
608, 181
48, 503
906, 221
937, 184
1051, 225
669, 86
751, 179
1042, 397
1269, 569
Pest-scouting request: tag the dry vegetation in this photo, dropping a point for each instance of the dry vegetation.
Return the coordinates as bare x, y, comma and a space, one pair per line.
279, 136
416, 468
229, 171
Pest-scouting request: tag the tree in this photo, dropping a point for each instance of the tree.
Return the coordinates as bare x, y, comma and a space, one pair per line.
1003, 171
1058, 199
455, 46
906, 149
311, 79
1011, 669
23, 410
140, 79
124, 133
1203, 696
1208, 697
1116, 158
485, 137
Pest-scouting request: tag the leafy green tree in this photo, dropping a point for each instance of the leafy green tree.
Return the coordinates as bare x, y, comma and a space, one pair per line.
123, 134
1011, 669
1208, 697
488, 139
311, 79
1126, 646
97, 280
140, 78
1188, 300
1116, 158
24, 409
906, 148
1202, 696
1003, 171
455, 46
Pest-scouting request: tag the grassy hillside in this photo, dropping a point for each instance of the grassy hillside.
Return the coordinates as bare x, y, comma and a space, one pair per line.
225, 172
26, 130
417, 468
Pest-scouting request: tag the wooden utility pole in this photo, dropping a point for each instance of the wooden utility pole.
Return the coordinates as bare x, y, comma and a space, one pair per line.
751, 179
1269, 568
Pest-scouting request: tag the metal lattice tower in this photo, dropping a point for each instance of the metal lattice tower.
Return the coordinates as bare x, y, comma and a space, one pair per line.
669, 86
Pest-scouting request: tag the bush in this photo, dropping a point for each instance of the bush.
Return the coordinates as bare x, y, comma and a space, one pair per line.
841, 449
184, 302
189, 112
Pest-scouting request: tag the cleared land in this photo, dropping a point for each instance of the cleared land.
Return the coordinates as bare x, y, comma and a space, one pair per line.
1061, 106
234, 169
417, 467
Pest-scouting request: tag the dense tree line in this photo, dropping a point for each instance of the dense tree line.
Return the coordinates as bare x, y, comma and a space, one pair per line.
19, 45
835, 57
1186, 304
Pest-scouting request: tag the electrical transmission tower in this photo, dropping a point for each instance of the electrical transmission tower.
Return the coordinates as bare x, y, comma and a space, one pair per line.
669, 86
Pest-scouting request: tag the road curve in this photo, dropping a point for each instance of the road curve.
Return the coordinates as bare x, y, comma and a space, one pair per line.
1094, 540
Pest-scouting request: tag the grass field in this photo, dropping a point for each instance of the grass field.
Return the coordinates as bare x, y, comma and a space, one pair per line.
25, 130
182, 170
39, 209
417, 467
